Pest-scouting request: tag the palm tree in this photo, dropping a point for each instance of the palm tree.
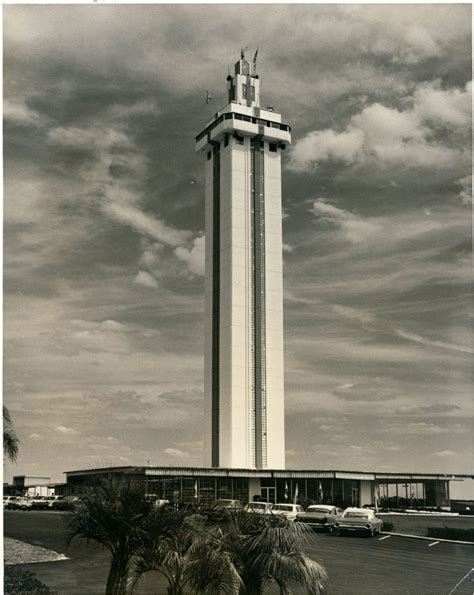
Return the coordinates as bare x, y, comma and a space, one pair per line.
166, 548
10, 439
113, 513
242, 555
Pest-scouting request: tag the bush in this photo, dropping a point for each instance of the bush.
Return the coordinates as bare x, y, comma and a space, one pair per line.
450, 533
17, 580
388, 526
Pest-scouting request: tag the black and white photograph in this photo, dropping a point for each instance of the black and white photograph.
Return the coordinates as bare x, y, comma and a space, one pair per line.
237, 299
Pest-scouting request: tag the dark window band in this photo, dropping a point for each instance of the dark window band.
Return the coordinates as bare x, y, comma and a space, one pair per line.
259, 327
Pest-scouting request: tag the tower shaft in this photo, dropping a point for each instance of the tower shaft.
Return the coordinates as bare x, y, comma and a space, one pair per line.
244, 393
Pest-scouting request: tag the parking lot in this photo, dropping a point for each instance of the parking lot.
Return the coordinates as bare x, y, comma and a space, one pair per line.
356, 565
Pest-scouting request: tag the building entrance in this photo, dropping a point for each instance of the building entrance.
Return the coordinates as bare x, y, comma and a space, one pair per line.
268, 495
355, 497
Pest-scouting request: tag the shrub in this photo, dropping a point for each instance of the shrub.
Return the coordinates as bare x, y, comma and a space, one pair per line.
388, 526
451, 533
17, 580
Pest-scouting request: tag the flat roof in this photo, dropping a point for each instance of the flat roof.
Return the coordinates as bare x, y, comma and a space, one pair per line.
151, 471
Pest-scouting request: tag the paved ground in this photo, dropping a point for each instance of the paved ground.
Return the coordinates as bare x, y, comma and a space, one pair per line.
392, 565
356, 565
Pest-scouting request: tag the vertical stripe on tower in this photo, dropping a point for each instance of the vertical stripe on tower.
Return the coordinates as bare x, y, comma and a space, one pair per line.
216, 246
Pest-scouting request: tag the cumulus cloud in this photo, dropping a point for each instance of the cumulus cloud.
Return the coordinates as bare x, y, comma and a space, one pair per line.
193, 256
352, 228
452, 107
324, 145
19, 113
389, 136
145, 279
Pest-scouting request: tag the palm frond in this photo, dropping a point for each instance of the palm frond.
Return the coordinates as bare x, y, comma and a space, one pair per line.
11, 442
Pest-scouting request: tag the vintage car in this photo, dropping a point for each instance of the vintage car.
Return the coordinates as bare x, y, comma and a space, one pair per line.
219, 509
19, 503
358, 520
39, 502
9, 501
319, 516
289, 511
229, 504
258, 507
64, 503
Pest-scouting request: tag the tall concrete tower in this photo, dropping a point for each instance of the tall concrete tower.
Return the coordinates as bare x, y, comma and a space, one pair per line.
244, 393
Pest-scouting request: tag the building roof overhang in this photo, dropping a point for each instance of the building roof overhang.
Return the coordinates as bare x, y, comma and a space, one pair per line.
266, 473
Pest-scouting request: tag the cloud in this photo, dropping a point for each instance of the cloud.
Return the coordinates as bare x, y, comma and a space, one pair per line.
193, 256
387, 136
354, 314
353, 228
445, 453
145, 107
447, 107
65, 430
433, 409
176, 453
87, 138
35, 436
430, 343
324, 145
19, 113
145, 279
466, 189
144, 223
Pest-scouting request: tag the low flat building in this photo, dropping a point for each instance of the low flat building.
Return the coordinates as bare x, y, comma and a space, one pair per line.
30, 485
343, 488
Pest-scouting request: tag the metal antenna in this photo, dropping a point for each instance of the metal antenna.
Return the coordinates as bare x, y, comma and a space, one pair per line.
255, 60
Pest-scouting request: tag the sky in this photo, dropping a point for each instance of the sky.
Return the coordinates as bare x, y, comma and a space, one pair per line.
104, 219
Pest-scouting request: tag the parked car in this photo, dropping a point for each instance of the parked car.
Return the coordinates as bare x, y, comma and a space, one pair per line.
288, 511
258, 507
319, 516
8, 501
19, 503
64, 502
217, 510
229, 504
51, 499
358, 520
39, 503
160, 502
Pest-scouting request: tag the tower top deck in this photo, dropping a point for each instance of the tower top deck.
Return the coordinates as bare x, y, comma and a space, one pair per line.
242, 114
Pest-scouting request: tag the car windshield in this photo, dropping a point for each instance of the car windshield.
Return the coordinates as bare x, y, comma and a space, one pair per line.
357, 515
318, 509
286, 507
227, 503
257, 505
